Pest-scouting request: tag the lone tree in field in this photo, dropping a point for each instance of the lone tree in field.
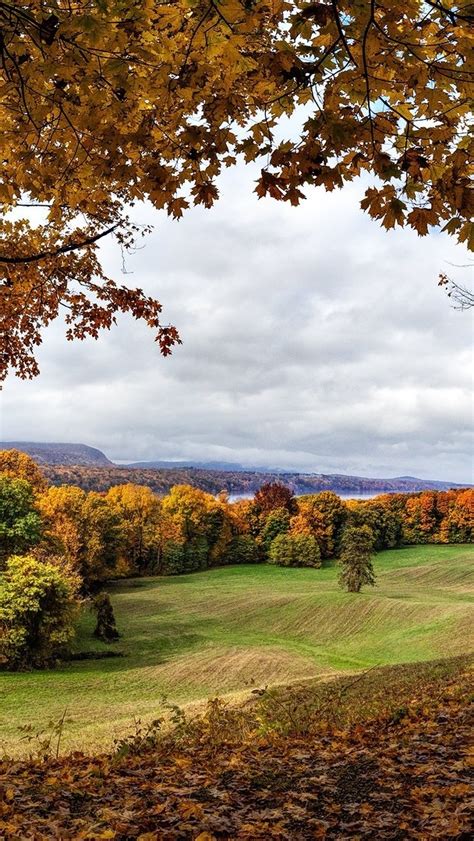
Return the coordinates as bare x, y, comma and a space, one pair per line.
105, 103
106, 628
356, 558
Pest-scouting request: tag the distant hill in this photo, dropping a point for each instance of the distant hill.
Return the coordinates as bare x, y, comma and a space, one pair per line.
236, 483
300, 481
59, 454
89, 468
228, 466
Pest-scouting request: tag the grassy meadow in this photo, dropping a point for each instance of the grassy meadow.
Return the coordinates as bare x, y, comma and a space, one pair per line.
232, 629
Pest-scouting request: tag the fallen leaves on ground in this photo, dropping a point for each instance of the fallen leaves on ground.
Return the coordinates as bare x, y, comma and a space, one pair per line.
398, 777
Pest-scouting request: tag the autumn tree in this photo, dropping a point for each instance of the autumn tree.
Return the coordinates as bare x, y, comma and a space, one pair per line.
20, 522
205, 530
458, 524
21, 466
420, 521
38, 608
84, 529
138, 510
105, 104
273, 495
245, 517
322, 515
356, 558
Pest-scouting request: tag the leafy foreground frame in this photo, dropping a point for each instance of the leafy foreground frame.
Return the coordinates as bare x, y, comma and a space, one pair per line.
106, 103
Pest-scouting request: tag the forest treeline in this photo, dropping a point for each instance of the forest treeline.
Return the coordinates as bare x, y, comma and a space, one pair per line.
129, 530
161, 480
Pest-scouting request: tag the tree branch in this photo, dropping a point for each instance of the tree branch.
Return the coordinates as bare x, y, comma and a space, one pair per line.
63, 249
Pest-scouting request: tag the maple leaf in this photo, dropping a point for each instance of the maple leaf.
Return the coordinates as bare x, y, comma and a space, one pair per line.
101, 110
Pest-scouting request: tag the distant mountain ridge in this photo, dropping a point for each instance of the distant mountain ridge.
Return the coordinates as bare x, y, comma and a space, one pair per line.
231, 466
90, 468
60, 454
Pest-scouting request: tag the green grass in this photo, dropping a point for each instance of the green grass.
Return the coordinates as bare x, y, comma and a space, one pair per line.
231, 629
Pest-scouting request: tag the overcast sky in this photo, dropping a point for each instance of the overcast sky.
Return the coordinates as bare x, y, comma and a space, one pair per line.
312, 339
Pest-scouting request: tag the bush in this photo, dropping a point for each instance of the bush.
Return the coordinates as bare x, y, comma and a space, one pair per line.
38, 606
295, 550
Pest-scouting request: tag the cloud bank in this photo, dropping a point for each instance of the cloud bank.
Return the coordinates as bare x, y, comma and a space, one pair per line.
312, 339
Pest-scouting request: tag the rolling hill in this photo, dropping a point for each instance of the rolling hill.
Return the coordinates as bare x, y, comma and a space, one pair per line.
232, 629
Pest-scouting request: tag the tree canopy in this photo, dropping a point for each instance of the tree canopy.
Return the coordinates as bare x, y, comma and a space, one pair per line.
105, 103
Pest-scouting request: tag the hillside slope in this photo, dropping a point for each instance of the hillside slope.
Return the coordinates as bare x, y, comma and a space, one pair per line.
90, 469
238, 482
401, 773
234, 629
59, 454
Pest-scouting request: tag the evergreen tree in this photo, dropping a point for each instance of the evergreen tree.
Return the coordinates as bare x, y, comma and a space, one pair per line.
356, 558
106, 628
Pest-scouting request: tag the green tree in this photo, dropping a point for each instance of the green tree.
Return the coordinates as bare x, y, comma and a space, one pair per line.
106, 628
295, 550
172, 557
385, 524
243, 549
20, 523
277, 522
38, 607
356, 558
196, 551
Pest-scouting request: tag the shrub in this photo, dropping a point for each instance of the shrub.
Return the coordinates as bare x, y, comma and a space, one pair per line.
38, 606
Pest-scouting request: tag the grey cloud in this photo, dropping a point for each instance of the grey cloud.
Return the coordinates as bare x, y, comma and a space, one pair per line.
312, 339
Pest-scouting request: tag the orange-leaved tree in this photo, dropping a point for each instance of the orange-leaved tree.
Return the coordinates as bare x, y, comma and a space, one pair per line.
19, 465
108, 102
